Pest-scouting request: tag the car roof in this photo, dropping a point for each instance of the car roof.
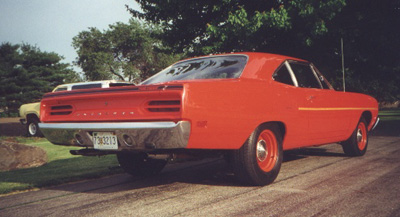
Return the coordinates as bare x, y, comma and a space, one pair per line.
249, 54
259, 65
102, 82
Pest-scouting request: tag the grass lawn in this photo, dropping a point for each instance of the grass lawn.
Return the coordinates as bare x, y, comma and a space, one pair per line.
62, 167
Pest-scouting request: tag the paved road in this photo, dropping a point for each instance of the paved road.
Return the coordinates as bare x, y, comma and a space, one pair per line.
11, 127
317, 181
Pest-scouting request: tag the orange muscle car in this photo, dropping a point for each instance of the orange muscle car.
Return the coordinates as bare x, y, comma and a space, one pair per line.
249, 106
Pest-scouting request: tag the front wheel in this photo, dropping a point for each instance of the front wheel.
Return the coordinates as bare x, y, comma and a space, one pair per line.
259, 160
357, 144
32, 127
140, 164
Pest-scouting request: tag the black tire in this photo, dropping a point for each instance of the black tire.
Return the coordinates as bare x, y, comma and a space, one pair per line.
357, 144
32, 127
259, 160
139, 164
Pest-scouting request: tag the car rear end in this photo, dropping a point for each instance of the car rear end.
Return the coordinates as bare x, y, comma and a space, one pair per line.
141, 118
145, 117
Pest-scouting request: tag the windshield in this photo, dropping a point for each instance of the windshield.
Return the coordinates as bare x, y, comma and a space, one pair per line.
62, 88
215, 67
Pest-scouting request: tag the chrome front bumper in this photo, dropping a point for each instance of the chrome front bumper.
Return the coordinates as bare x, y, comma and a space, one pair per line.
131, 135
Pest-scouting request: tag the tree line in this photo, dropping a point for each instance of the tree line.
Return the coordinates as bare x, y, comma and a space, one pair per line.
166, 31
26, 73
308, 29
131, 52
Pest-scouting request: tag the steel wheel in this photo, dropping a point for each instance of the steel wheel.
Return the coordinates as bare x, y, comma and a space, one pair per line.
361, 136
259, 160
357, 144
32, 128
267, 150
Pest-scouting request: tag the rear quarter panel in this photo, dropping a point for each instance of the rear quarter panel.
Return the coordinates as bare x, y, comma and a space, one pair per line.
359, 104
224, 114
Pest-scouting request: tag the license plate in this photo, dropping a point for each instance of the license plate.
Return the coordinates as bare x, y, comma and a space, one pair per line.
105, 140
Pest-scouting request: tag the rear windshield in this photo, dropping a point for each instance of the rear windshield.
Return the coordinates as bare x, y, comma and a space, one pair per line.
216, 67
86, 86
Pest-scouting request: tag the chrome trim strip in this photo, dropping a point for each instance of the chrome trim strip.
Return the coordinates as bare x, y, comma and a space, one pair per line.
376, 124
131, 135
289, 68
111, 126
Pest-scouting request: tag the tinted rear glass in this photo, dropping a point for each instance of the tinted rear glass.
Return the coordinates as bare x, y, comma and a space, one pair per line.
86, 86
217, 67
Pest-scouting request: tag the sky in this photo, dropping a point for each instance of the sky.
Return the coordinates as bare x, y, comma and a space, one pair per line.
51, 24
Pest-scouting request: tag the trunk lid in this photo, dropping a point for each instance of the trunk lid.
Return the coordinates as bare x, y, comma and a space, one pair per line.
140, 103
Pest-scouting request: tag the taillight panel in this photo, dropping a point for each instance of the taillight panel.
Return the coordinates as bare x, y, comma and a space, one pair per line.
164, 106
61, 110
130, 105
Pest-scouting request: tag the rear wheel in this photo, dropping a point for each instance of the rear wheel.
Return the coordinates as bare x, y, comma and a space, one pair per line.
357, 144
259, 160
140, 164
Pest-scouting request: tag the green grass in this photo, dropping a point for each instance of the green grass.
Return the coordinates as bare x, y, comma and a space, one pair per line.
62, 167
389, 115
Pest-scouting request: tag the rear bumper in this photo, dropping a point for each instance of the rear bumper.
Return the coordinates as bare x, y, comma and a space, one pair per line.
142, 135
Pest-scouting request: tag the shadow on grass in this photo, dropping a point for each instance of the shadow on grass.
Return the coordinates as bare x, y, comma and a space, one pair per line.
58, 172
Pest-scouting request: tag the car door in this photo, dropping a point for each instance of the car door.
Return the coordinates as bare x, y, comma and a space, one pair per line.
321, 106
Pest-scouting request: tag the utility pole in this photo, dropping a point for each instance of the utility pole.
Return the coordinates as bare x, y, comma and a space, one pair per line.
344, 81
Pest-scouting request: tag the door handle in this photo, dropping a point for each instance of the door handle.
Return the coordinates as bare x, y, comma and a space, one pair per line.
311, 98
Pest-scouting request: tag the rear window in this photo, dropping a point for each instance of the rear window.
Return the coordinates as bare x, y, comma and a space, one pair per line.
86, 86
216, 67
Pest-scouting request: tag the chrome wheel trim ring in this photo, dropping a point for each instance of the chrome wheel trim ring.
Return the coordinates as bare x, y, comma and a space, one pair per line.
359, 135
32, 128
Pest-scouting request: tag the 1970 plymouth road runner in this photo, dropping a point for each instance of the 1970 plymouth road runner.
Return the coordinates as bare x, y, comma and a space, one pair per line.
250, 106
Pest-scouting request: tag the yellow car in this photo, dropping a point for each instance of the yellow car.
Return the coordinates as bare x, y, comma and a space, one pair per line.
30, 113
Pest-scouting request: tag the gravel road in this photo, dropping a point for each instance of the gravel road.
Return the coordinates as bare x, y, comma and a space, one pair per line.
318, 181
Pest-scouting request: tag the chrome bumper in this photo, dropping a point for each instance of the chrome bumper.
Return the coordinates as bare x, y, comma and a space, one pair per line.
376, 124
132, 135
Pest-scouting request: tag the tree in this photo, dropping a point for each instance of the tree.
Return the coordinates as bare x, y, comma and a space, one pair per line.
214, 26
308, 29
372, 45
124, 51
26, 73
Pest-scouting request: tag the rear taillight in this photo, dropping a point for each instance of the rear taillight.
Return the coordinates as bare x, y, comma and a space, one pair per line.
61, 110
164, 106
